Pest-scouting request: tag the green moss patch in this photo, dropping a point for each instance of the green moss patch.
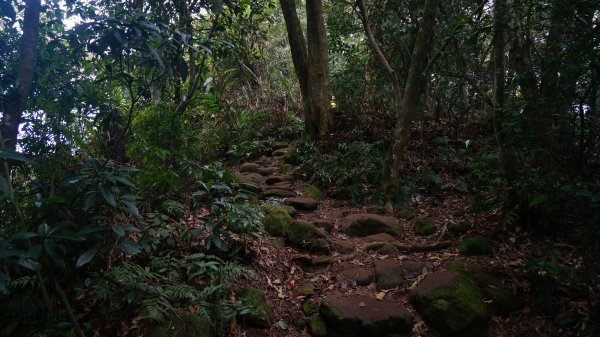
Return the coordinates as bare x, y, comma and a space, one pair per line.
425, 226
312, 192
476, 245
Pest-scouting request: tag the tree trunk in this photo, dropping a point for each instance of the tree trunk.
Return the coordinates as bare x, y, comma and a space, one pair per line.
410, 96
507, 152
311, 64
320, 119
27, 54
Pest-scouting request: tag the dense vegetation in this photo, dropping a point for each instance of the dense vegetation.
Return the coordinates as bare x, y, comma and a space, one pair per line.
121, 121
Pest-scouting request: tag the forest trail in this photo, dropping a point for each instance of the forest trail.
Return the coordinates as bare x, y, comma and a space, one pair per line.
328, 268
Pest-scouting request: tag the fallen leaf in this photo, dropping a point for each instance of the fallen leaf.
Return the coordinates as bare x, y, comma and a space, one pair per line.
362, 304
380, 296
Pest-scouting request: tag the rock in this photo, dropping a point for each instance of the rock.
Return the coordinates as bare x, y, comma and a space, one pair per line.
451, 304
279, 152
275, 221
476, 245
309, 307
302, 204
262, 314
388, 274
389, 249
279, 145
249, 168
251, 187
283, 185
312, 192
459, 228
252, 177
305, 289
291, 156
279, 193
425, 226
405, 213
286, 168
359, 316
379, 237
291, 210
322, 223
413, 268
266, 171
184, 324
359, 276
299, 323
375, 209
317, 326
367, 224
306, 236
343, 247
272, 180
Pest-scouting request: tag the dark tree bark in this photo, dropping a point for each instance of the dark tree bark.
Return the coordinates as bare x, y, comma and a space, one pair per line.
27, 54
311, 64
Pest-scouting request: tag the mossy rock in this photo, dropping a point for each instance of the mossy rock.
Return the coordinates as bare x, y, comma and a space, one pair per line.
261, 315
312, 191
425, 226
405, 214
279, 145
309, 307
278, 193
183, 324
291, 156
299, 323
317, 326
249, 168
376, 209
451, 303
476, 245
287, 168
459, 228
367, 224
305, 289
304, 235
276, 220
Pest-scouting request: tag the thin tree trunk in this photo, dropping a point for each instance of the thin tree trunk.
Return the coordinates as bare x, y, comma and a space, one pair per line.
410, 97
27, 54
297, 44
320, 119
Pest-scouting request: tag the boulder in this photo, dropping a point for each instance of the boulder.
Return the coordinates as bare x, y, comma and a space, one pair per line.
359, 276
343, 247
389, 249
312, 192
249, 168
278, 193
184, 324
304, 235
309, 307
275, 221
476, 245
359, 316
272, 180
261, 315
305, 289
379, 237
388, 274
317, 326
367, 224
266, 171
322, 223
291, 156
451, 304
425, 226
251, 187
302, 204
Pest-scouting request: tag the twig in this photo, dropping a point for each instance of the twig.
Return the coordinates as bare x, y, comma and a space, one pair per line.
68, 309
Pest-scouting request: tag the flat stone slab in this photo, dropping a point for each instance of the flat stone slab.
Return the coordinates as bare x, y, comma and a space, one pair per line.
360, 276
302, 204
367, 224
249, 168
343, 247
266, 171
253, 177
379, 237
359, 316
279, 152
322, 223
388, 274
277, 179
280, 193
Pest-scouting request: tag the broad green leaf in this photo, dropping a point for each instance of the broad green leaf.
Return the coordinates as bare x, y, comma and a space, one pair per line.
130, 247
539, 199
131, 208
108, 196
86, 257
51, 249
23, 236
14, 155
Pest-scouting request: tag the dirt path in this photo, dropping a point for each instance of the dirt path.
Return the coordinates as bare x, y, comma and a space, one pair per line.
339, 270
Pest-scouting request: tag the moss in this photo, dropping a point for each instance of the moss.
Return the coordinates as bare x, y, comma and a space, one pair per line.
309, 307
306, 289
503, 300
375, 209
182, 325
459, 228
289, 209
476, 245
425, 226
405, 213
262, 315
291, 156
331, 313
275, 221
287, 168
317, 326
312, 192
305, 235
299, 323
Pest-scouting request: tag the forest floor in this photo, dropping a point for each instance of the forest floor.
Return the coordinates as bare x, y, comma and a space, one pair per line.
290, 276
